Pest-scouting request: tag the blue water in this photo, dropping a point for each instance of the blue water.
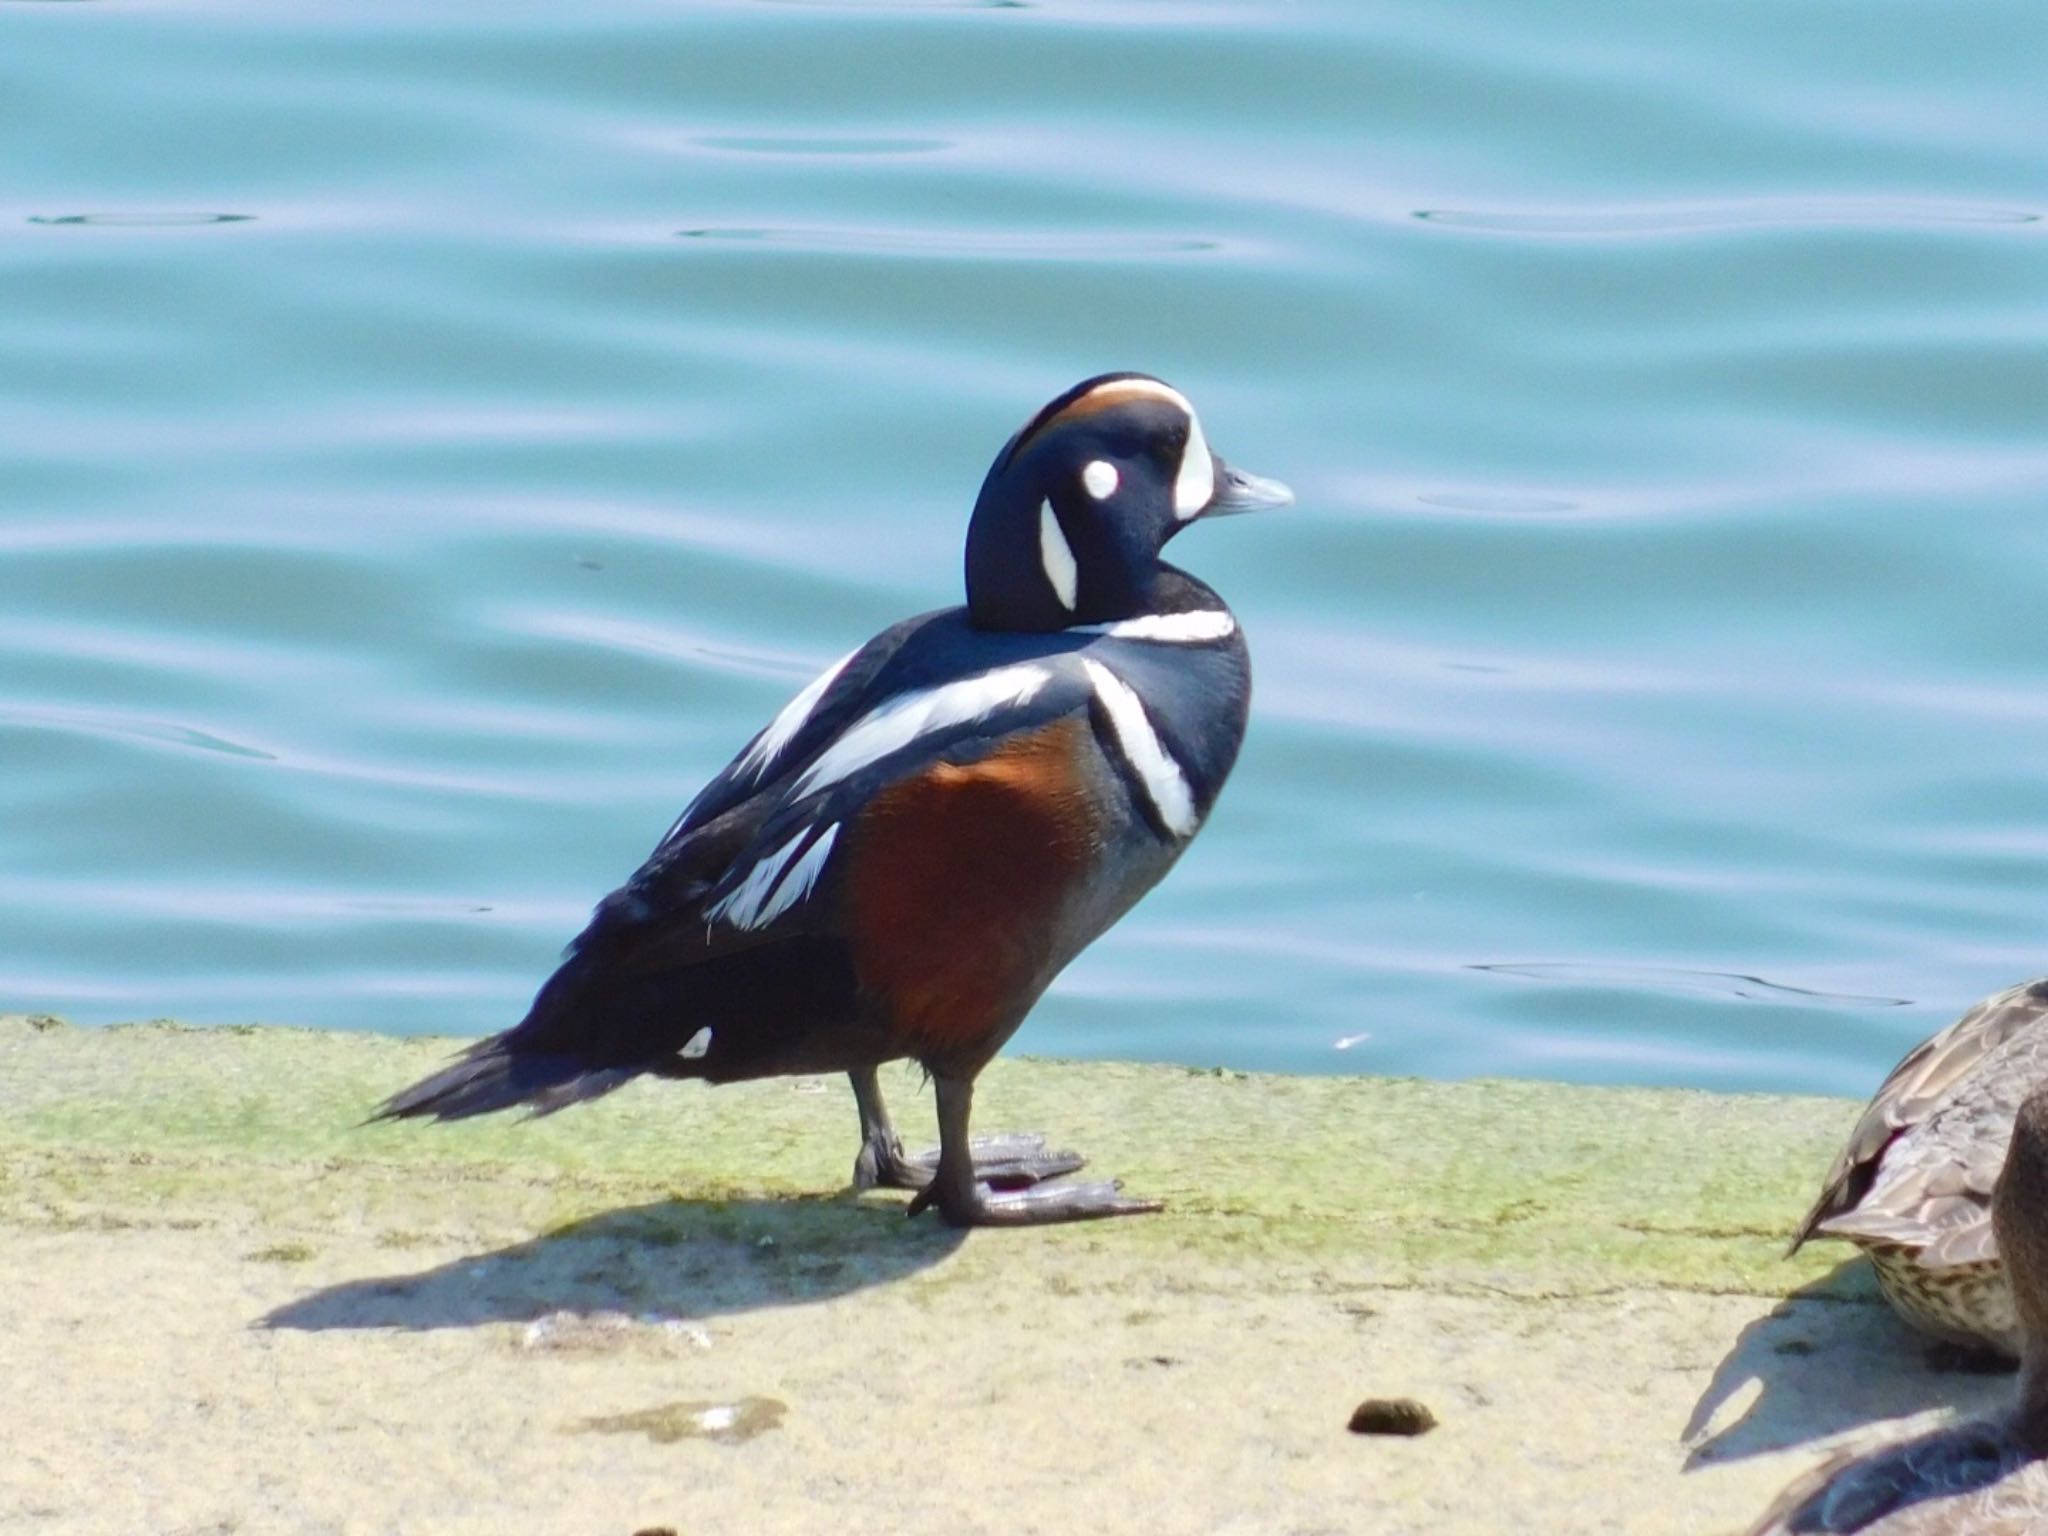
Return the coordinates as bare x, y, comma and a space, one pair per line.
432, 438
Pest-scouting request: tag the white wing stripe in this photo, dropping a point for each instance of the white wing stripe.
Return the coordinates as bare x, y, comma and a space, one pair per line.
796, 885
902, 720
783, 728
1165, 784
742, 905
1170, 628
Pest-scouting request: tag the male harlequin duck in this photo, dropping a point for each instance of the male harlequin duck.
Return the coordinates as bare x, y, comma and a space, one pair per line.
1986, 1478
1913, 1186
901, 862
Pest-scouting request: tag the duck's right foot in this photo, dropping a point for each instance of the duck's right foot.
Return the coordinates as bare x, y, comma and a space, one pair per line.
1003, 1162
1038, 1205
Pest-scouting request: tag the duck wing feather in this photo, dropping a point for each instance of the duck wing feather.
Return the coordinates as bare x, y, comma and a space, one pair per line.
1919, 1165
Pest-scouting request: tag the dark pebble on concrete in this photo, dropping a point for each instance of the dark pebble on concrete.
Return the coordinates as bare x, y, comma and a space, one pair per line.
1391, 1416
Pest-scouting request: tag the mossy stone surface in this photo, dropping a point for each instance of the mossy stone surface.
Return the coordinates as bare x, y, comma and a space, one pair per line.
1530, 1188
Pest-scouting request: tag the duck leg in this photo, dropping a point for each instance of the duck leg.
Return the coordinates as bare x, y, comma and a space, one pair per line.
965, 1200
1004, 1161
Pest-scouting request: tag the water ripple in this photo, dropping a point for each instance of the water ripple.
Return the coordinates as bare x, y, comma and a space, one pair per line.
1510, 503
771, 144
1720, 983
1011, 244
1658, 220
143, 219
133, 727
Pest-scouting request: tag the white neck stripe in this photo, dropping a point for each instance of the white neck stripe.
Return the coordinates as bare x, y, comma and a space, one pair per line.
1164, 784
1168, 628
1057, 556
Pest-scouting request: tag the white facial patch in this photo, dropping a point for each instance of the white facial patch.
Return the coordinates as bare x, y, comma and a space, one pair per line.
1099, 479
904, 719
1165, 785
1195, 486
783, 728
698, 1045
1057, 556
1168, 628
773, 886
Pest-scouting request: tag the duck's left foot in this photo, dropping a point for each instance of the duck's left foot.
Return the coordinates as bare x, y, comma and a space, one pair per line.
1006, 1162
1037, 1205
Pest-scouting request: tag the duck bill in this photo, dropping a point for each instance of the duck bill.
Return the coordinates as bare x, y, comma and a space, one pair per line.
1239, 490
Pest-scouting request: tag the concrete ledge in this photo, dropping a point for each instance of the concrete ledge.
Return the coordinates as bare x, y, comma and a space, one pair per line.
665, 1309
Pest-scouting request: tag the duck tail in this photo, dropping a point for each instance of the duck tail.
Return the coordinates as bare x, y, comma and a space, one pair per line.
493, 1075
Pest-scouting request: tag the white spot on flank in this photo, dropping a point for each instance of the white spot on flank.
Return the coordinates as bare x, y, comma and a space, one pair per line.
1100, 478
904, 719
1170, 628
1057, 556
1165, 785
783, 728
1195, 486
697, 1045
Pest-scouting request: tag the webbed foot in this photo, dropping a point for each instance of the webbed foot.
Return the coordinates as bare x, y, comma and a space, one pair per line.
1006, 1162
966, 1196
1036, 1205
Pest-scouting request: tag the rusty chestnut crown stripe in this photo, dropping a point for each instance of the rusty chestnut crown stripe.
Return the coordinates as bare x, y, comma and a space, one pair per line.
1106, 395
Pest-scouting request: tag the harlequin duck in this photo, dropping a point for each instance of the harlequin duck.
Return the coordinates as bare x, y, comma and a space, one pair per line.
904, 858
1913, 1187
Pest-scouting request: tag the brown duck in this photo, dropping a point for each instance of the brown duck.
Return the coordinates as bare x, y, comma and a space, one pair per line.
1983, 1478
1913, 1186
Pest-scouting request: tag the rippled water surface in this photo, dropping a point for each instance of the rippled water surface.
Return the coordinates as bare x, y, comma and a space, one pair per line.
432, 438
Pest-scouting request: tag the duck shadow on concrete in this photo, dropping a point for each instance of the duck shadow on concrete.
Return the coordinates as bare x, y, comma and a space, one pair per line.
1828, 1359
669, 1260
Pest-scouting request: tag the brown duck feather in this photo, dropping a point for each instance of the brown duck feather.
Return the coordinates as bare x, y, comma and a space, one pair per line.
1981, 1478
1919, 1165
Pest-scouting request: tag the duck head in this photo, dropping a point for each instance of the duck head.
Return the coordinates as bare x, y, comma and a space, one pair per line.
1076, 508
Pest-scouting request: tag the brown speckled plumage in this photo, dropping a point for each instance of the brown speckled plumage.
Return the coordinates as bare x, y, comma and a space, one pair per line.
1913, 1185
1984, 1478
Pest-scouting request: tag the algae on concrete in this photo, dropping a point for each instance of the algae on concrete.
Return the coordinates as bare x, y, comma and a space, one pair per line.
1491, 1184
251, 1311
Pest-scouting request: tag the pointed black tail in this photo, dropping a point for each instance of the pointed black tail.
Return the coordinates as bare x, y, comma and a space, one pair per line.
493, 1075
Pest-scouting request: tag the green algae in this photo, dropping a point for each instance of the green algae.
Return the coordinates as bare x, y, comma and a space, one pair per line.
1517, 1187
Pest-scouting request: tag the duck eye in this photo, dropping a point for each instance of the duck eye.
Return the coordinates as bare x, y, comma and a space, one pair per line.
1099, 479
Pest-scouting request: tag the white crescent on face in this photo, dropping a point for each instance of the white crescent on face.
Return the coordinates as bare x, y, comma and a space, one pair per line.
1195, 486
1057, 556
1194, 483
